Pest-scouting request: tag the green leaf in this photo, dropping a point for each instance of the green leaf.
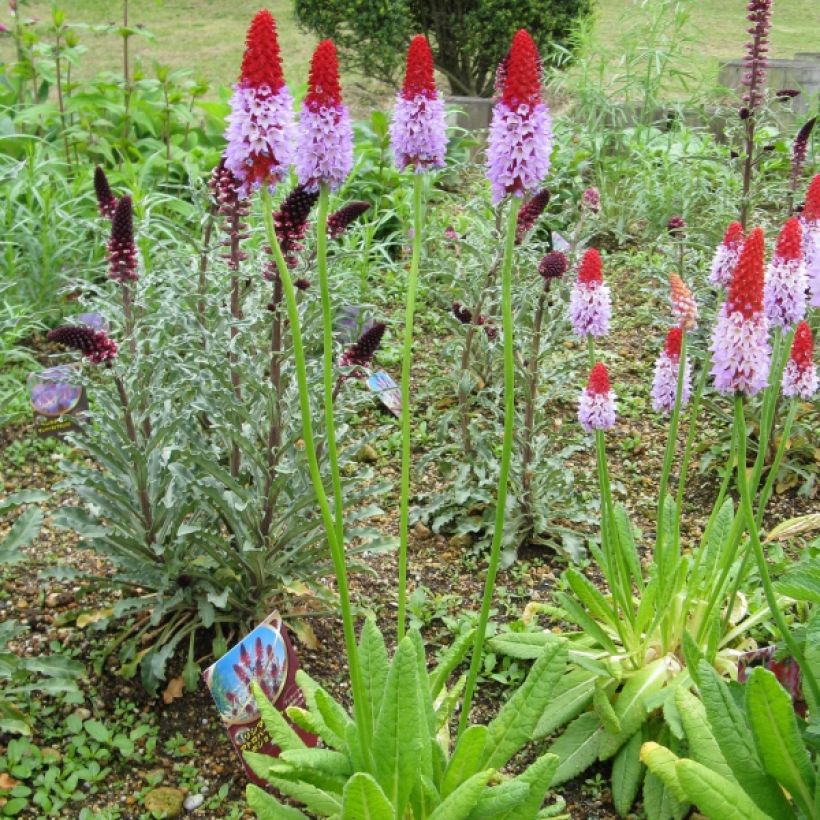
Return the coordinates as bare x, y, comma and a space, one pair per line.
578, 747
715, 795
25, 529
374, 666
736, 743
454, 655
364, 800
572, 695
590, 597
526, 646
801, 581
23, 497
499, 801
579, 616
268, 807
626, 541
659, 803
626, 774
630, 705
399, 730
463, 800
465, 760
603, 708
515, 723
279, 729
702, 744
774, 726
662, 763
538, 776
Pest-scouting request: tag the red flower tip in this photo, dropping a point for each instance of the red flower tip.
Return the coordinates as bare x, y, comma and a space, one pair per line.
746, 287
802, 346
789, 241
811, 210
418, 79
522, 81
590, 270
733, 235
673, 342
598, 380
262, 62
323, 82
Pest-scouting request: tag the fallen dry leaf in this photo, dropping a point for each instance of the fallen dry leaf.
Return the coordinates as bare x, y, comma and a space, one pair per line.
7, 781
304, 632
87, 618
173, 690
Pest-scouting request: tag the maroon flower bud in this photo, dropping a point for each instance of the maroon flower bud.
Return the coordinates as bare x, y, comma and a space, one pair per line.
291, 219
122, 252
462, 313
799, 151
339, 221
94, 344
787, 94
361, 353
301, 284
106, 201
490, 330
529, 213
676, 226
743, 113
553, 266
591, 200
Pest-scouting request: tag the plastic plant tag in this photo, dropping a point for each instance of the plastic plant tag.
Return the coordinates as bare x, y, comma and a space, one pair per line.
386, 390
559, 243
58, 400
265, 656
96, 321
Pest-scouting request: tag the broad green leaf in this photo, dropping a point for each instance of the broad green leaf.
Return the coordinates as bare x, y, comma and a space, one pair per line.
465, 760
716, 796
802, 581
428, 728
590, 597
24, 530
499, 801
317, 801
626, 541
268, 807
626, 774
447, 702
702, 744
454, 655
778, 741
579, 616
463, 800
603, 708
280, 730
23, 497
577, 748
526, 646
572, 695
515, 723
630, 705
374, 666
662, 763
332, 712
658, 801
399, 731
538, 776
325, 761
364, 800
734, 737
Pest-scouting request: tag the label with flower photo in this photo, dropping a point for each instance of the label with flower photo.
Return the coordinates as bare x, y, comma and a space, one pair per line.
57, 399
386, 390
265, 656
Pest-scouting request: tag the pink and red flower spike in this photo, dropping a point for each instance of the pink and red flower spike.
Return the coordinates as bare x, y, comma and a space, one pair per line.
260, 128
93, 344
741, 355
810, 220
665, 381
529, 213
596, 405
800, 373
325, 146
122, 252
418, 129
784, 290
726, 255
590, 303
106, 201
684, 306
520, 138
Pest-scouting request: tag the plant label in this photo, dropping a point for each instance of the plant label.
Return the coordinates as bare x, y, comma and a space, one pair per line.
59, 403
386, 390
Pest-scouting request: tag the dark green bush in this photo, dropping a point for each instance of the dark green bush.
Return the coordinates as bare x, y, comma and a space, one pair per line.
469, 39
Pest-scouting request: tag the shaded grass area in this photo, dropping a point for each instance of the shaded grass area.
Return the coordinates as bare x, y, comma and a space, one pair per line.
207, 36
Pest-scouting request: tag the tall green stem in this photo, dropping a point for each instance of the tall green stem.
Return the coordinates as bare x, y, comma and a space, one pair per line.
406, 361
762, 568
327, 367
506, 458
363, 721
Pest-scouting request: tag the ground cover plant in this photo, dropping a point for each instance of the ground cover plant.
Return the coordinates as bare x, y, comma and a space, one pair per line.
508, 600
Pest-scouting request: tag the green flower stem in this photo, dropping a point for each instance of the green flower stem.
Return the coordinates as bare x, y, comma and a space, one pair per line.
766, 492
406, 361
327, 366
336, 547
762, 568
591, 350
506, 458
671, 441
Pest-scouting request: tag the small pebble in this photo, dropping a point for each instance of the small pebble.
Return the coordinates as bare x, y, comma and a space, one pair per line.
193, 801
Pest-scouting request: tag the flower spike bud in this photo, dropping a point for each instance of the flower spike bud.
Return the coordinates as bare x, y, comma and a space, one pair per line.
591, 200
800, 373
810, 220
361, 353
590, 303
756, 61
596, 405
553, 266
684, 306
784, 289
325, 146
418, 129
106, 201
665, 381
290, 221
339, 221
122, 252
529, 213
800, 148
741, 354
93, 344
260, 128
520, 138
727, 254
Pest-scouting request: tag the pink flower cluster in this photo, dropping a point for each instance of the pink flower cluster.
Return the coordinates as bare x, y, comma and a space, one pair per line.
665, 381
590, 303
800, 373
596, 405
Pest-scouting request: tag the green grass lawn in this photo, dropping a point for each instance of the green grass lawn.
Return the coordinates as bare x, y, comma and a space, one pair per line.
207, 35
